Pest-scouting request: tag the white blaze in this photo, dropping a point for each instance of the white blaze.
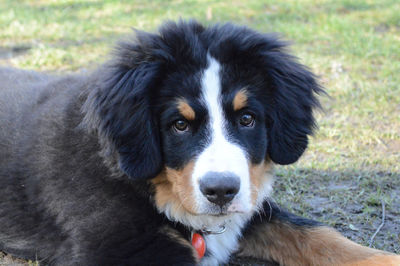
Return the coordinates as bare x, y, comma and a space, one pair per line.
220, 155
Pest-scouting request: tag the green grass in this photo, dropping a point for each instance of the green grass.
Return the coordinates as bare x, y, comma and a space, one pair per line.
354, 46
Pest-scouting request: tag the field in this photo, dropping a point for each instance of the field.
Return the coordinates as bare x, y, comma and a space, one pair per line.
352, 167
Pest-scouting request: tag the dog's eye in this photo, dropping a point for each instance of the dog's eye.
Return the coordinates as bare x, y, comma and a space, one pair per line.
247, 120
181, 125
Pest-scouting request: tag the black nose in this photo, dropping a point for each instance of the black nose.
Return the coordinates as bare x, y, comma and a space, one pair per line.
219, 188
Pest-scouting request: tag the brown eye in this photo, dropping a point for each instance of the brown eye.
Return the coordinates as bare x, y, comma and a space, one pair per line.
247, 120
181, 125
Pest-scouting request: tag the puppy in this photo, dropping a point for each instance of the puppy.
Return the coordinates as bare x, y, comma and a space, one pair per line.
171, 142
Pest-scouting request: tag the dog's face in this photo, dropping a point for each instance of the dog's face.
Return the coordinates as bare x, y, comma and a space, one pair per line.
214, 140
203, 113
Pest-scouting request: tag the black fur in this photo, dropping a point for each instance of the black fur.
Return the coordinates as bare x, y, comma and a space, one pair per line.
76, 151
271, 212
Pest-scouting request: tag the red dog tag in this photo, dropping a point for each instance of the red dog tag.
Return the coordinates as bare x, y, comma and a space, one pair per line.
199, 244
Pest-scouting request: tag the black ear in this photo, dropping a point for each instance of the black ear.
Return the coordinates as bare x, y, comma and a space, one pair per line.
121, 107
291, 116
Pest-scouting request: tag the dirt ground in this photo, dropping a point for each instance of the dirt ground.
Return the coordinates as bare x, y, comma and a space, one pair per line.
350, 201
10, 261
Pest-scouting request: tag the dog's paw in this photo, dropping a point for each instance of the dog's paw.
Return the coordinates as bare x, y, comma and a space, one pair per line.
378, 260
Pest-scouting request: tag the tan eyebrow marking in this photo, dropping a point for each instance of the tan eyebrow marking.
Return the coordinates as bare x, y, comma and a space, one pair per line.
185, 109
240, 99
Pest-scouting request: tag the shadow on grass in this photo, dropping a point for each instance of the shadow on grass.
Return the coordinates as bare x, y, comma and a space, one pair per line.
348, 200
13, 51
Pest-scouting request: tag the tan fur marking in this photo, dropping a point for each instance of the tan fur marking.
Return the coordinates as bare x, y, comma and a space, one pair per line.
378, 260
176, 236
240, 100
174, 187
185, 110
295, 245
259, 175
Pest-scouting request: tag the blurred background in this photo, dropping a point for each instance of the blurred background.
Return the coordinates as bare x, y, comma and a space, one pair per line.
352, 166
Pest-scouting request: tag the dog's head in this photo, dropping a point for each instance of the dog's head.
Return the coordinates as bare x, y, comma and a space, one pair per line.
203, 113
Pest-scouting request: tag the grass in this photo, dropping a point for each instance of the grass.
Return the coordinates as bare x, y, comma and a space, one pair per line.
354, 46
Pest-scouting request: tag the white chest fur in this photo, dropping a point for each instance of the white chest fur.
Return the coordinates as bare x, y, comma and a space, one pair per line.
221, 246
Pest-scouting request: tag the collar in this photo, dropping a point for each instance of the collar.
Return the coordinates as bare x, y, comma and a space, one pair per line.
197, 237
207, 231
198, 241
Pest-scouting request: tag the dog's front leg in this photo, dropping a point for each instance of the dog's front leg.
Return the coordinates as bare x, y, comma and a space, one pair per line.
164, 246
291, 240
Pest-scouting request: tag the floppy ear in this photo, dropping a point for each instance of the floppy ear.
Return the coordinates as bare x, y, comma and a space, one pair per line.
291, 117
121, 107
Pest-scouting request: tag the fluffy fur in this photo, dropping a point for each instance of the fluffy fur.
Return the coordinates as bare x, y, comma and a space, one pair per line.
108, 168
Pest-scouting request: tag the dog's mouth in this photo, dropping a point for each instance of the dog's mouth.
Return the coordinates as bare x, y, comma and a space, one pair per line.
226, 210
221, 213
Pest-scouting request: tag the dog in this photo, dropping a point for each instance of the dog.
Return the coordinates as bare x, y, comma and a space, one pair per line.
163, 155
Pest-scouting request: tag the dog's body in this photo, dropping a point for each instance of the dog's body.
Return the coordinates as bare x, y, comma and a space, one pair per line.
177, 134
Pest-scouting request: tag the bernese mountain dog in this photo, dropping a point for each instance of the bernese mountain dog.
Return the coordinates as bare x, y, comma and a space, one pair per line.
163, 156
